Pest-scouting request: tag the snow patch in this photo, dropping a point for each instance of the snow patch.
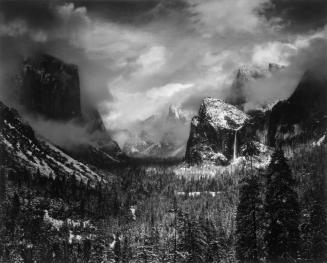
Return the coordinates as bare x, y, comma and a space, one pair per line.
221, 114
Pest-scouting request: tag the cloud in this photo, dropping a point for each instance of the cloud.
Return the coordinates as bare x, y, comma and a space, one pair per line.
129, 107
152, 60
273, 52
137, 58
305, 52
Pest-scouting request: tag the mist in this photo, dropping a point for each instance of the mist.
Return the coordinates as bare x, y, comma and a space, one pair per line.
65, 134
306, 55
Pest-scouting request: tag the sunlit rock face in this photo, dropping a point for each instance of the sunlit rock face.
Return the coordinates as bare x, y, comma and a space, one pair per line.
50, 88
213, 132
303, 115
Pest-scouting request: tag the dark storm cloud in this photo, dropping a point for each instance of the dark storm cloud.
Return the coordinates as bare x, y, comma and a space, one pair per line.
41, 14
299, 15
38, 14
121, 11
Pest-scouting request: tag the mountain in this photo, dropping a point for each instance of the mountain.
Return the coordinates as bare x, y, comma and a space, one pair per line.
50, 88
303, 115
237, 93
214, 131
23, 150
177, 114
168, 142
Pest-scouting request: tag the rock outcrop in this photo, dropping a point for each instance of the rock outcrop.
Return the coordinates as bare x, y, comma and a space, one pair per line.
213, 133
303, 115
51, 88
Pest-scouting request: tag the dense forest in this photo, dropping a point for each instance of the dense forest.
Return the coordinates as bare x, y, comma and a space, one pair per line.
149, 213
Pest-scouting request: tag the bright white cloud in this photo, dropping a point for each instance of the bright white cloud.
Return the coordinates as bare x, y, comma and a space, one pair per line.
280, 52
273, 52
152, 60
128, 107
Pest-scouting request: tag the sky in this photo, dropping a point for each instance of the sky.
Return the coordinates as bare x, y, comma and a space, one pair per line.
138, 57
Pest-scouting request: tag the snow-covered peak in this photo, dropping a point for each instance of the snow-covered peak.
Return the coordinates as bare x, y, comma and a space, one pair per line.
176, 113
221, 114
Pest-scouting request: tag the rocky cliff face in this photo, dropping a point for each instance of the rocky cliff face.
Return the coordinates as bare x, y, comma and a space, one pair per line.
214, 132
303, 115
50, 87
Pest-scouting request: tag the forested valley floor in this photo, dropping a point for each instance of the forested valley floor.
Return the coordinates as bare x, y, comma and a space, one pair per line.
150, 213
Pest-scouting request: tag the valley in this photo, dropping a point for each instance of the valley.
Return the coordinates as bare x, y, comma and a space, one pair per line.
87, 200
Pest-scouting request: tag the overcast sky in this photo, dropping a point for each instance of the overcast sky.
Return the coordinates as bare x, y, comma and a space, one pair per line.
138, 57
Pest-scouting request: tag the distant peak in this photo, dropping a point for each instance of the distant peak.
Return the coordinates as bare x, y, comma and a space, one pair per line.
176, 113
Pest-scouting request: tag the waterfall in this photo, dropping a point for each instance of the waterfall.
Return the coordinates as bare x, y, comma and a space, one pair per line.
235, 146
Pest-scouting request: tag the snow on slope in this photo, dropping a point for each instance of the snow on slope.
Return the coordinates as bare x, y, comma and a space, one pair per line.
20, 148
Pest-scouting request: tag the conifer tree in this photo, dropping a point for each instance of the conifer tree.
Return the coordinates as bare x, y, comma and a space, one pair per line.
3, 184
126, 250
282, 212
314, 228
248, 216
319, 227
15, 207
194, 241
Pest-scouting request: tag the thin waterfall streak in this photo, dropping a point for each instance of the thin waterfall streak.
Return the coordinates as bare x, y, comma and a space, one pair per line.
235, 146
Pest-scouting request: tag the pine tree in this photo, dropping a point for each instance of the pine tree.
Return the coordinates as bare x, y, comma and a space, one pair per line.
249, 150
194, 241
117, 248
126, 252
319, 226
82, 207
3, 184
314, 228
15, 209
282, 212
248, 215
